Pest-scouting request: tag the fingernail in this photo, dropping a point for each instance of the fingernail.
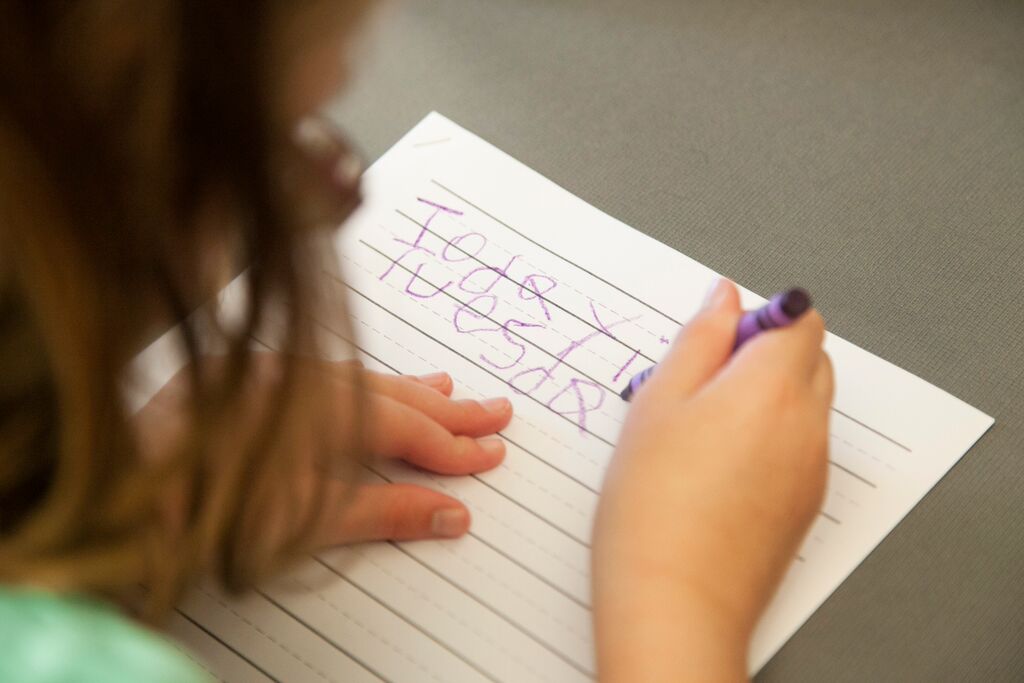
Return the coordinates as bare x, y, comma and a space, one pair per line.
492, 445
496, 405
449, 523
437, 380
716, 294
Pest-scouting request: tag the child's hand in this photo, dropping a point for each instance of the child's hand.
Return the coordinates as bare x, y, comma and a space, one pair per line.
718, 473
415, 420
407, 418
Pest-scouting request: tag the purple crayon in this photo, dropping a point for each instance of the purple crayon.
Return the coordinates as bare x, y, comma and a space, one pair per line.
783, 309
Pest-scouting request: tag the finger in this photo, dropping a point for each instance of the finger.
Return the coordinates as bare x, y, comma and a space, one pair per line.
795, 349
400, 431
398, 512
438, 381
472, 418
703, 346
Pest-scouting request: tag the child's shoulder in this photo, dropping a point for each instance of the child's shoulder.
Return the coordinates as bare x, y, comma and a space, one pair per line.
51, 638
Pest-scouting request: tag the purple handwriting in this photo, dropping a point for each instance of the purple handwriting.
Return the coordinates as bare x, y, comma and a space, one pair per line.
416, 276
627, 364
581, 406
490, 275
454, 251
439, 208
508, 338
537, 286
430, 257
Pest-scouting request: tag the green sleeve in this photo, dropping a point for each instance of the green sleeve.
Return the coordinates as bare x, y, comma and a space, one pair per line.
49, 638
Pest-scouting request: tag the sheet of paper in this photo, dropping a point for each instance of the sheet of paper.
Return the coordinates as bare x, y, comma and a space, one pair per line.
462, 259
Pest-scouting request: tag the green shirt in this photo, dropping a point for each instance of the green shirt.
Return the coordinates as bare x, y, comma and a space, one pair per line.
51, 638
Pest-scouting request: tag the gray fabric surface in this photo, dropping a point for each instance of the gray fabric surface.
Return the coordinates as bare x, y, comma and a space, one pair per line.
870, 151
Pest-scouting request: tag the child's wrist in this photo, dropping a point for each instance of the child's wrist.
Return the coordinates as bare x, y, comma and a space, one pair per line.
663, 630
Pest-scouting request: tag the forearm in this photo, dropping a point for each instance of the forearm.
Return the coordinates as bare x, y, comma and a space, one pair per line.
655, 631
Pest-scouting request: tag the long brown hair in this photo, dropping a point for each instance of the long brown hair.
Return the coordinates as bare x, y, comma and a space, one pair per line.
121, 125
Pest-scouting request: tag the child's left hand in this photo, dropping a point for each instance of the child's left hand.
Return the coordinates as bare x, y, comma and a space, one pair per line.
401, 417
414, 419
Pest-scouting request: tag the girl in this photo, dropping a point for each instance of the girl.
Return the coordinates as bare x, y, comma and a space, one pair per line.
152, 150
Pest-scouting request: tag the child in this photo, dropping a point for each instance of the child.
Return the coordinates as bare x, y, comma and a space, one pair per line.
152, 150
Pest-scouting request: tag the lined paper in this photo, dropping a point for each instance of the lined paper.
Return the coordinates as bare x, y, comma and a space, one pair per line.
464, 260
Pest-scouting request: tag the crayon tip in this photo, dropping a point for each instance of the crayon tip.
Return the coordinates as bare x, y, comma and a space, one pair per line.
795, 302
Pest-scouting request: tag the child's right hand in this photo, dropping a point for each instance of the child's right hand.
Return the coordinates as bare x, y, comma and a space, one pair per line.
718, 473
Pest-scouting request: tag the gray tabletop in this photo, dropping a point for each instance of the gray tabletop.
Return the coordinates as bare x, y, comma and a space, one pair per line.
870, 151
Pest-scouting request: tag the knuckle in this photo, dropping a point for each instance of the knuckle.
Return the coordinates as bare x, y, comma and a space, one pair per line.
471, 408
399, 515
703, 329
464, 446
469, 411
431, 445
473, 414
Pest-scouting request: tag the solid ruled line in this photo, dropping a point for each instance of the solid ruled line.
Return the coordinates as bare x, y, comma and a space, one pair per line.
538, 402
469, 360
554, 253
849, 417
829, 517
548, 522
465, 304
873, 430
525, 568
542, 460
369, 669
517, 284
501, 434
504, 617
852, 474
213, 635
831, 462
528, 570
478, 599
631, 296
416, 626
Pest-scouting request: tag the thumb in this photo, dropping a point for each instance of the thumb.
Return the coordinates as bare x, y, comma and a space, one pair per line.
703, 346
399, 512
